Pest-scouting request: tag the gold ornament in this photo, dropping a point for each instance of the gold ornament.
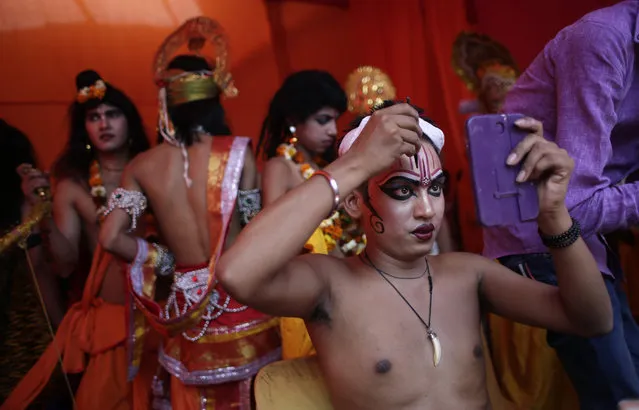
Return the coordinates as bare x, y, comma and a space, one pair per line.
367, 87
195, 33
20, 233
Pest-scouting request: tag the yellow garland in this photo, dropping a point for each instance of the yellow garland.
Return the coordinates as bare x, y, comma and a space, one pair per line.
332, 226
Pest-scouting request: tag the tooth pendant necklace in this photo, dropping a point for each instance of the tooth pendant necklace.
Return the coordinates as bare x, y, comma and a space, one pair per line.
430, 333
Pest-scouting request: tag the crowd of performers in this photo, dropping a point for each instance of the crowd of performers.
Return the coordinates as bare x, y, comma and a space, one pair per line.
169, 277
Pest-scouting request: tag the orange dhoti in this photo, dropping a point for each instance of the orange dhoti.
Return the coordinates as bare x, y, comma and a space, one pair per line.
90, 339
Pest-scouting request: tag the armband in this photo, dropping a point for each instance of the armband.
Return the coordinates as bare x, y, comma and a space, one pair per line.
249, 204
131, 202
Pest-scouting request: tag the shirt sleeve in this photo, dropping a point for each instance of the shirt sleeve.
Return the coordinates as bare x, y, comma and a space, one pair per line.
590, 64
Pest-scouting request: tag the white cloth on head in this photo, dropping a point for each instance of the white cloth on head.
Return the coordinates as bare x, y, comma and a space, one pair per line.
433, 133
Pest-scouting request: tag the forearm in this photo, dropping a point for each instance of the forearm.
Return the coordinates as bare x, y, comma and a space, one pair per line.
582, 290
47, 284
124, 246
279, 232
65, 255
608, 209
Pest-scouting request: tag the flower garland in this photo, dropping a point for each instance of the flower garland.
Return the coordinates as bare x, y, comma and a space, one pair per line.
98, 191
332, 226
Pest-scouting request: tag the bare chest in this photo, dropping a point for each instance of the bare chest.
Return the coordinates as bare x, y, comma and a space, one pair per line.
385, 345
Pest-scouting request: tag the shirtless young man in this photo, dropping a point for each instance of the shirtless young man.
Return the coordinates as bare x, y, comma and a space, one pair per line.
374, 350
212, 345
106, 131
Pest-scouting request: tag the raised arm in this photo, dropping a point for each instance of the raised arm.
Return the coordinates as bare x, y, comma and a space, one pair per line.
65, 228
580, 304
262, 268
590, 85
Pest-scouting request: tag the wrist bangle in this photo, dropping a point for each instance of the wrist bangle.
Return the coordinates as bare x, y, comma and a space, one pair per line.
333, 184
562, 240
160, 259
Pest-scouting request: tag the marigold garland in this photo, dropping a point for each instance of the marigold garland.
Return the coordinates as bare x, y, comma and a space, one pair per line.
98, 191
332, 226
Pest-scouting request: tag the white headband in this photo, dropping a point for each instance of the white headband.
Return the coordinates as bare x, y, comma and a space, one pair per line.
433, 133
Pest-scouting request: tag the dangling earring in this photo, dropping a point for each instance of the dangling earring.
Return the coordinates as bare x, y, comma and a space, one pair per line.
88, 147
293, 139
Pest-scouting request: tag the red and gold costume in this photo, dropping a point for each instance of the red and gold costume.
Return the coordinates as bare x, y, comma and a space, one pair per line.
212, 346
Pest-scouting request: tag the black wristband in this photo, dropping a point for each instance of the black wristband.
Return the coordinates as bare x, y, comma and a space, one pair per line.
35, 239
562, 240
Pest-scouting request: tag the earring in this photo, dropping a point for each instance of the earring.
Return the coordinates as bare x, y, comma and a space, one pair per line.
88, 147
293, 139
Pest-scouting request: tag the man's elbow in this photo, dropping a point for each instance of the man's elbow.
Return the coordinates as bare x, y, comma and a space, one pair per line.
107, 239
599, 324
231, 283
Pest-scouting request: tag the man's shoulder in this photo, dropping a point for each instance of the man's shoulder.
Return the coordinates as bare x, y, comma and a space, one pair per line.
69, 186
278, 165
464, 264
615, 23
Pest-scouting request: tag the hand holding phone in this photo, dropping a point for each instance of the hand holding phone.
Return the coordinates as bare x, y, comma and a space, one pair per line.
500, 200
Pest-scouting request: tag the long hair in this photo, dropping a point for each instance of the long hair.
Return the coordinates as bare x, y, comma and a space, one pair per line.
301, 95
15, 149
75, 160
202, 115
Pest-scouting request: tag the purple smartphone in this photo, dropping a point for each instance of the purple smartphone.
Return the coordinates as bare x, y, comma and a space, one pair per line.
499, 199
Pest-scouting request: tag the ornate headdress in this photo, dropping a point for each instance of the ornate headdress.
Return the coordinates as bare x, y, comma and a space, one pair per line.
181, 87
478, 60
367, 87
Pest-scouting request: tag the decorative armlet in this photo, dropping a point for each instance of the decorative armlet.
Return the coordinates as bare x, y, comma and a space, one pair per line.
249, 204
132, 202
154, 256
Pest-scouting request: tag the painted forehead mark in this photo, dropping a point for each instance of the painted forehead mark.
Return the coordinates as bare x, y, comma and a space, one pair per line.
429, 166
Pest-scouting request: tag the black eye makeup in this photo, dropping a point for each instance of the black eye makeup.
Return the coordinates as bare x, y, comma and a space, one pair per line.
402, 188
323, 119
399, 188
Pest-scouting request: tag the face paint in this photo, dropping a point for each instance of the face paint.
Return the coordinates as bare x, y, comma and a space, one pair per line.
406, 194
429, 166
405, 174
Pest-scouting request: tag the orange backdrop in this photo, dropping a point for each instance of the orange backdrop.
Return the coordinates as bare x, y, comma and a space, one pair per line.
44, 43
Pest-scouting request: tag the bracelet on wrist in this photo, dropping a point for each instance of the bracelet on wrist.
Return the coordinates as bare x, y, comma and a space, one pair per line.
564, 239
333, 184
160, 259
